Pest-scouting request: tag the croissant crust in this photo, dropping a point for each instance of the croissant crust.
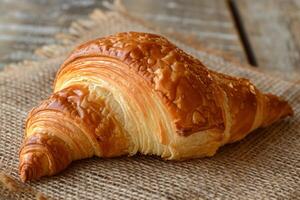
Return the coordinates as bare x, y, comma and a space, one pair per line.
137, 92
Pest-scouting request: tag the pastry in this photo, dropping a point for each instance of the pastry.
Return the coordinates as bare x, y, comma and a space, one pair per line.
137, 92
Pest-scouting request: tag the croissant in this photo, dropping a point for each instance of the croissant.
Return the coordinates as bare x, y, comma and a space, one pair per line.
137, 92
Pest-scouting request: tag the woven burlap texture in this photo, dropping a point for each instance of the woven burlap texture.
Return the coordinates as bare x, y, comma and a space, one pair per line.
265, 165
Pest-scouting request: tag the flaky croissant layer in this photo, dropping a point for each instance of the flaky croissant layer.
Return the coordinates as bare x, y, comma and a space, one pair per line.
137, 92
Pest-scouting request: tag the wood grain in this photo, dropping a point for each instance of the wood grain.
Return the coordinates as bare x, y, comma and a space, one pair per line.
273, 28
209, 21
28, 24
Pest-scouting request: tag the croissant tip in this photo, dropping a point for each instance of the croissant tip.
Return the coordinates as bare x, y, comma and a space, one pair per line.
26, 173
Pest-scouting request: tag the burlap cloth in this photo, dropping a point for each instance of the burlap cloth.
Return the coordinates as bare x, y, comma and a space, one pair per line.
265, 165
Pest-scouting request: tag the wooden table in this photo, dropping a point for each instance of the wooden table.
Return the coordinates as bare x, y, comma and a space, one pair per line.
263, 33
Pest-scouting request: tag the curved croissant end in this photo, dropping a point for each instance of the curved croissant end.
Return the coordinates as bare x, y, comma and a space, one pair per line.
137, 92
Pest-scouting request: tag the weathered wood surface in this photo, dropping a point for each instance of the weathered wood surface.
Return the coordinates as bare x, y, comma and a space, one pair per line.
209, 21
273, 28
28, 24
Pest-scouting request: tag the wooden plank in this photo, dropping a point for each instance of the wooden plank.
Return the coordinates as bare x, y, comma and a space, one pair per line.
28, 24
273, 28
209, 21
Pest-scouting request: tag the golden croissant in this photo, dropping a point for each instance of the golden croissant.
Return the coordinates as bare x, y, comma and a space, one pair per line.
137, 92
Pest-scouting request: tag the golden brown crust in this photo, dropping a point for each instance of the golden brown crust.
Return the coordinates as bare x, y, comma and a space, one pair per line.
242, 103
274, 109
135, 92
183, 82
52, 156
46, 153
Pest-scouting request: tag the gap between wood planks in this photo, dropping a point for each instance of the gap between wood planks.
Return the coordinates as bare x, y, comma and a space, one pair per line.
242, 33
